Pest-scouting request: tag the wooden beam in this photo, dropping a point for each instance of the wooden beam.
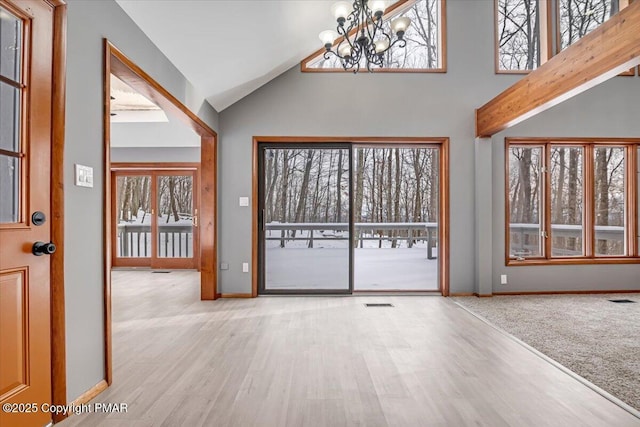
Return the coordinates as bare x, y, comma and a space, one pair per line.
607, 51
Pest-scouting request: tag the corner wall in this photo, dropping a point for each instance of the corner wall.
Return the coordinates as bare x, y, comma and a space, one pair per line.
88, 23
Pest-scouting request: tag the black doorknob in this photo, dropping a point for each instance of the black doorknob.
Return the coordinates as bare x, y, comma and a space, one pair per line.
42, 248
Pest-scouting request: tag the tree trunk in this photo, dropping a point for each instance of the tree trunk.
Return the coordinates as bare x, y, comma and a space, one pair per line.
602, 195
339, 188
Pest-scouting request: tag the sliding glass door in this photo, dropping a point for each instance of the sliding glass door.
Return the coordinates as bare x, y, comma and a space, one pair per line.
305, 219
154, 218
396, 218
349, 217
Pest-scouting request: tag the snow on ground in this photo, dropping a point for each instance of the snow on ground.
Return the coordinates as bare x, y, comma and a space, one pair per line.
328, 268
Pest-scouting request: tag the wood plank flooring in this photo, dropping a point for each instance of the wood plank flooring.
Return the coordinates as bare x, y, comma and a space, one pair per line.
324, 361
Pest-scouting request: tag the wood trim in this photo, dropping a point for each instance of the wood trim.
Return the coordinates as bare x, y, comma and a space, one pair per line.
631, 180
208, 219
443, 231
546, 200
12, 83
254, 215
608, 50
380, 140
106, 220
58, 326
121, 66
589, 204
397, 5
138, 79
246, 295
463, 294
88, 395
153, 166
507, 202
573, 261
582, 292
544, 11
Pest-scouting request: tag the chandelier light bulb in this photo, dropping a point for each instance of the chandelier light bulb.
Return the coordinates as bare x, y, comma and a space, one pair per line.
327, 37
381, 45
345, 50
341, 10
378, 7
400, 25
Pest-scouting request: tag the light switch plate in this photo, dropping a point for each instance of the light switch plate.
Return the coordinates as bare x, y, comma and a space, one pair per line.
244, 201
84, 176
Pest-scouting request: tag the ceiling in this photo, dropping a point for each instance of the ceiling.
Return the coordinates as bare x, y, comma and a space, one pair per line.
129, 106
229, 48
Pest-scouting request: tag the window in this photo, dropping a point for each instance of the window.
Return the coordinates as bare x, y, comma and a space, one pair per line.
577, 18
521, 35
568, 200
12, 90
425, 49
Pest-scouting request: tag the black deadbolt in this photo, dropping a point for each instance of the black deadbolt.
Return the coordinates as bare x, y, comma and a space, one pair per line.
38, 218
42, 248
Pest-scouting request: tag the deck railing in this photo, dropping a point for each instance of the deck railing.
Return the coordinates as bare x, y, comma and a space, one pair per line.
411, 232
520, 231
174, 240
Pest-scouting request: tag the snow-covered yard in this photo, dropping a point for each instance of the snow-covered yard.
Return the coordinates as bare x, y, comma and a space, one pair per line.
328, 268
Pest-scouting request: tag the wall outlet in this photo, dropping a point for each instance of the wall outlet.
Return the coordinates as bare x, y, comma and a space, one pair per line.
503, 279
224, 266
245, 267
243, 201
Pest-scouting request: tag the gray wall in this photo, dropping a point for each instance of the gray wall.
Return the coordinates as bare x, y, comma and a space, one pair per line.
88, 23
155, 134
155, 154
337, 104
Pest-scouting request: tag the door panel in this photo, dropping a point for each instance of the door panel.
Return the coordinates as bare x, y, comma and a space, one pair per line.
133, 217
25, 135
175, 216
13, 328
396, 230
155, 219
306, 244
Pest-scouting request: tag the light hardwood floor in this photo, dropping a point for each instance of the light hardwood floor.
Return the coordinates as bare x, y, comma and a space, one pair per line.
325, 361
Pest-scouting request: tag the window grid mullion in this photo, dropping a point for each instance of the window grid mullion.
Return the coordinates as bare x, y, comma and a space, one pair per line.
546, 223
589, 205
631, 220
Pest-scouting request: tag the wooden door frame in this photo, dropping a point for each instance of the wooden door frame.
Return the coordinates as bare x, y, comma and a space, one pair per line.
58, 325
443, 229
154, 170
56, 274
118, 64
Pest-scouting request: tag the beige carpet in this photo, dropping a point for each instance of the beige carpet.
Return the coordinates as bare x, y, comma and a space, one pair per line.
595, 338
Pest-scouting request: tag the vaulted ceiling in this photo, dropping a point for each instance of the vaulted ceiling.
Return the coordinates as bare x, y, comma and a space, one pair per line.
229, 48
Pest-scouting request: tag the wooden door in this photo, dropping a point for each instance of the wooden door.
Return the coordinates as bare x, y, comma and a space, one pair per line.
155, 218
26, 34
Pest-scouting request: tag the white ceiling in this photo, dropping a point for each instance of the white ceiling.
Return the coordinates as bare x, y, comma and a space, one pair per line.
229, 48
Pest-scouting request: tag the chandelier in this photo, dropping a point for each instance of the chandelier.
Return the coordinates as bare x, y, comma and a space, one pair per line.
363, 35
